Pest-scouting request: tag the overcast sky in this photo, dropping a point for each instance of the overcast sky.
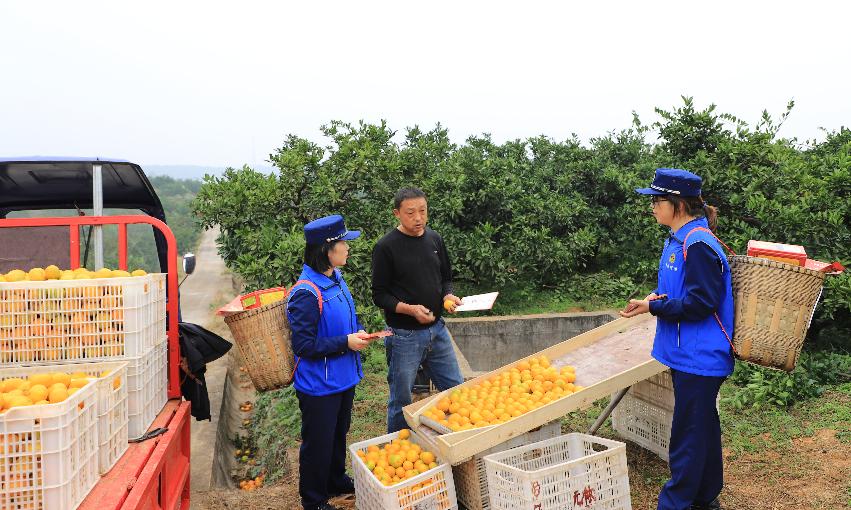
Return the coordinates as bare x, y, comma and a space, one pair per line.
222, 83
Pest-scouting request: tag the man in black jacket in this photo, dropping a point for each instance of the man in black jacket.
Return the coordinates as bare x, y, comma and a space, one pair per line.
412, 282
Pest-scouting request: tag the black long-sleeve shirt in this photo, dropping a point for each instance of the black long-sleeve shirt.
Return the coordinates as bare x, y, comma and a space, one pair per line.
413, 270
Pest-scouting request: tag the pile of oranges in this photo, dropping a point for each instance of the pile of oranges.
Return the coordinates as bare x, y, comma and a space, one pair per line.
526, 386
252, 483
38, 274
44, 388
398, 460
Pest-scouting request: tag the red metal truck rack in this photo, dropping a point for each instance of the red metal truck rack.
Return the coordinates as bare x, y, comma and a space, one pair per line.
153, 474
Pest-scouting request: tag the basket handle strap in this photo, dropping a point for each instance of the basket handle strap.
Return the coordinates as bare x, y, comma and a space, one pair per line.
685, 241
723, 330
310, 284
685, 253
319, 300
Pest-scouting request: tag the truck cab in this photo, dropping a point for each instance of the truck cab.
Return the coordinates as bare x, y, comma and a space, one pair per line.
52, 212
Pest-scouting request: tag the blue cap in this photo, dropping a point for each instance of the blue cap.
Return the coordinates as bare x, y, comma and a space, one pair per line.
327, 229
673, 181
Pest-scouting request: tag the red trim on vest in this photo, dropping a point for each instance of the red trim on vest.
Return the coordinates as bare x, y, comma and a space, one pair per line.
685, 251
318, 298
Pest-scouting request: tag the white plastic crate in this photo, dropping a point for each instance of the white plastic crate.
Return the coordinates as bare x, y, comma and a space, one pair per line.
645, 424
112, 408
111, 403
657, 390
371, 494
49, 452
80, 320
570, 471
147, 388
471, 478
156, 322
645, 414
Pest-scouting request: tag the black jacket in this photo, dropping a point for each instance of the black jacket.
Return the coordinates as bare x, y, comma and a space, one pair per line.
198, 347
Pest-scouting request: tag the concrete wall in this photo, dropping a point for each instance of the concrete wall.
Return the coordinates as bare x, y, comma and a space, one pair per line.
491, 342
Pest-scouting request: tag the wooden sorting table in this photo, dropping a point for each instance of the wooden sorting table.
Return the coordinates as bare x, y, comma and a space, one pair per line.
608, 359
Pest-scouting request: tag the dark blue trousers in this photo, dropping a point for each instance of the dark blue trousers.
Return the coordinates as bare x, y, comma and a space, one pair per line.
697, 472
325, 422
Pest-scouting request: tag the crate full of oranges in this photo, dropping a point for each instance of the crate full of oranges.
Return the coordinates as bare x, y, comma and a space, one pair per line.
48, 437
395, 472
49, 316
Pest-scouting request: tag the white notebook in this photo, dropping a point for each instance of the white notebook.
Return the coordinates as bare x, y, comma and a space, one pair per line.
477, 302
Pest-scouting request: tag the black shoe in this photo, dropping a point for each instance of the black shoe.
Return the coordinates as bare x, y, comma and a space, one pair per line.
713, 505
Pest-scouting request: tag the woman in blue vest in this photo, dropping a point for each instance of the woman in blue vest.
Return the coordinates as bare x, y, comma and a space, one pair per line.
326, 340
692, 301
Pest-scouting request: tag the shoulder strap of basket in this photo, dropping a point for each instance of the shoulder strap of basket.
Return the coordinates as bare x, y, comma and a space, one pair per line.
685, 254
319, 300
702, 229
310, 284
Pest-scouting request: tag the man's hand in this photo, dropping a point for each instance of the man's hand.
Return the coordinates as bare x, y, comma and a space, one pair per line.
451, 302
356, 341
422, 314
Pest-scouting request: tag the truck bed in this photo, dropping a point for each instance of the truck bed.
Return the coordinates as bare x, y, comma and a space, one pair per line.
153, 474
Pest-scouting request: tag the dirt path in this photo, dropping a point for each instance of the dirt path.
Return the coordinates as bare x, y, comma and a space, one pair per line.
205, 289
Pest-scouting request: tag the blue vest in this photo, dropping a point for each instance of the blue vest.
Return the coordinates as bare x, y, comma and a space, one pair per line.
330, 374
696, 347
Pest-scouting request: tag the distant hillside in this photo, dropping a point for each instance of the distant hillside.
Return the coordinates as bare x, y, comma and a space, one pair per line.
195, 172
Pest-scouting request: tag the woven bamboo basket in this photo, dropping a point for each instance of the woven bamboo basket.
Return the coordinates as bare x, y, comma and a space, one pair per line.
262, 336
774, 304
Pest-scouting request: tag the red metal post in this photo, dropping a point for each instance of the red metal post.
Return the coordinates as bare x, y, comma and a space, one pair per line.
122, 246
75, 246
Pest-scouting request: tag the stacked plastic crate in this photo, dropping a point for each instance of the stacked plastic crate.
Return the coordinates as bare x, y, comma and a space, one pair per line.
645, 413
112, 330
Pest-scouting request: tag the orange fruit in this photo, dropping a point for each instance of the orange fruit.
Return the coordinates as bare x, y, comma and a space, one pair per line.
411, 456
38, 392
57, 394
59, 377
78, 383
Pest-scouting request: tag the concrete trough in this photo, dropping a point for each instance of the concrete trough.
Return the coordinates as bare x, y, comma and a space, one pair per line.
488, 343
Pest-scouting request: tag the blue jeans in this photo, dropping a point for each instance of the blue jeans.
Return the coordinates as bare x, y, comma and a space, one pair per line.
407, 349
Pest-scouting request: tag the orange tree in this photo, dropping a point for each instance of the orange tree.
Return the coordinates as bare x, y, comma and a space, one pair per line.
539, 212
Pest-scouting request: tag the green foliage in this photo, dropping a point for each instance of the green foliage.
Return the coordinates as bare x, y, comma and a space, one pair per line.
758, 386
176, 196
275, 428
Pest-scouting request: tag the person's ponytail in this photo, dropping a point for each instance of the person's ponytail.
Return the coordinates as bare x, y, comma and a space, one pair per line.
711, 213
